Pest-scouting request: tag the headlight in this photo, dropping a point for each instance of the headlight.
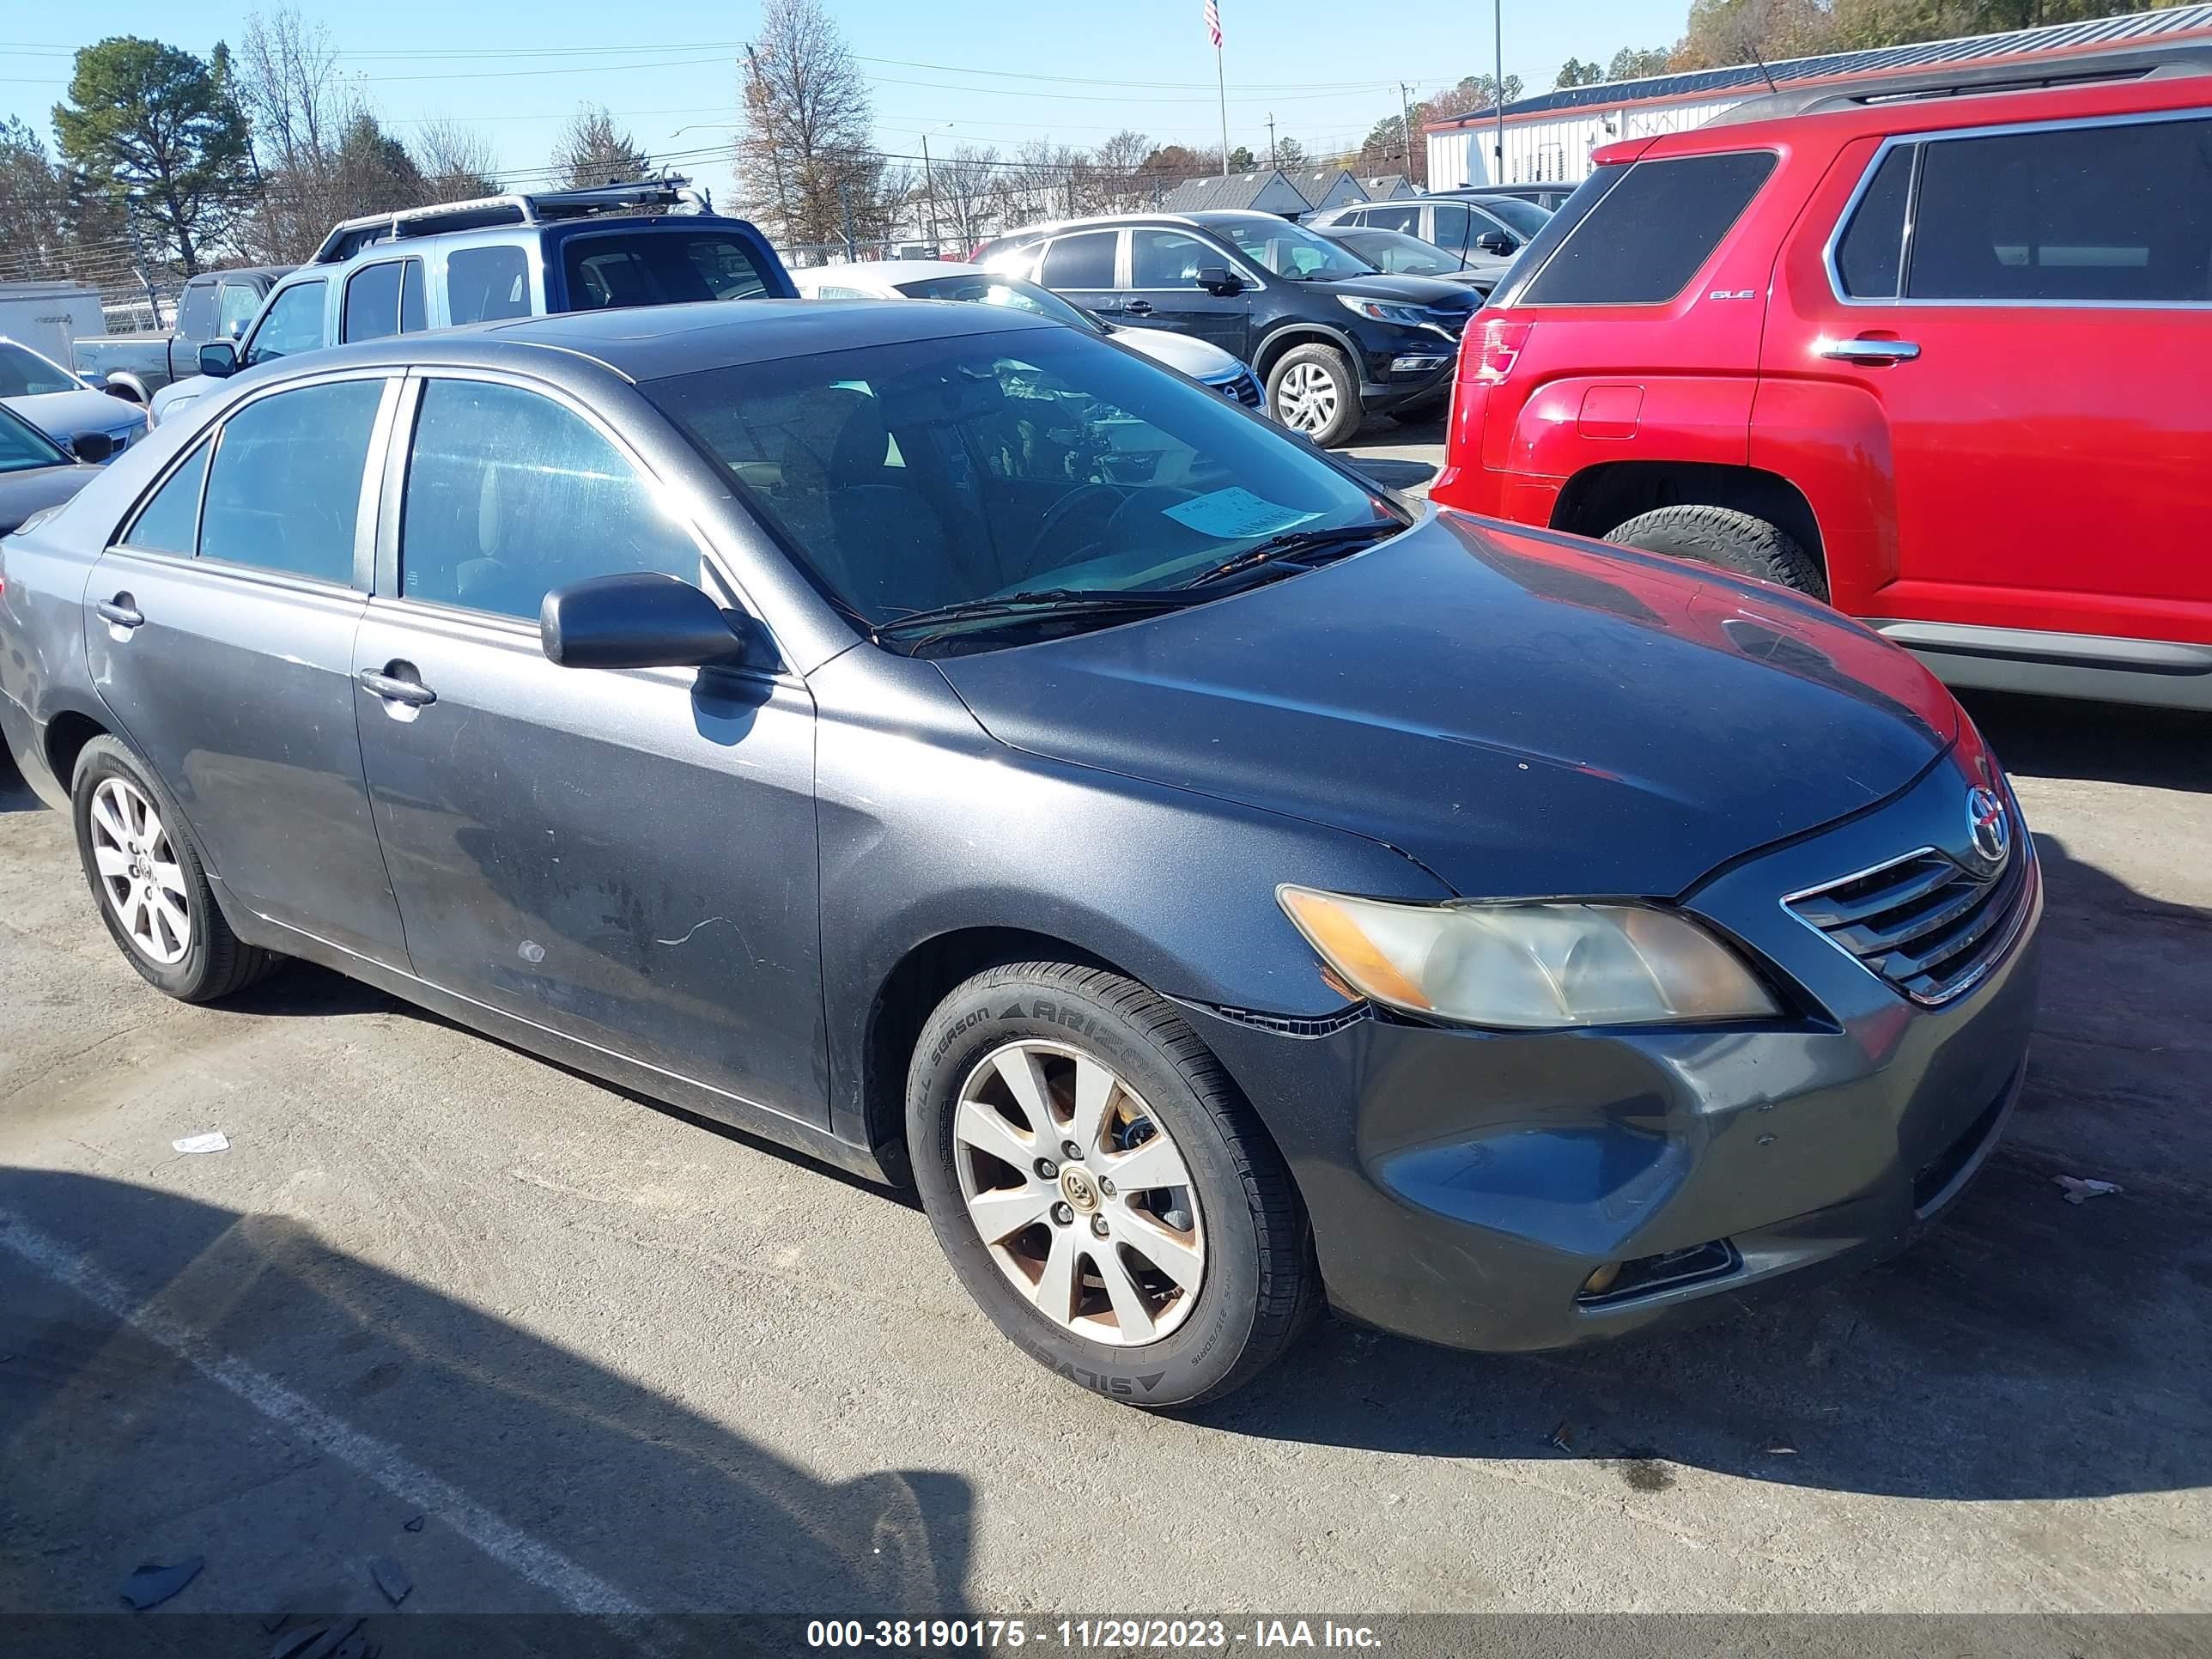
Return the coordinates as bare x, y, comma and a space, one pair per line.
1383, 311
1528, 966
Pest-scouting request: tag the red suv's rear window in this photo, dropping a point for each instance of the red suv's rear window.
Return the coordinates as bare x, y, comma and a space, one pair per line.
1642, 241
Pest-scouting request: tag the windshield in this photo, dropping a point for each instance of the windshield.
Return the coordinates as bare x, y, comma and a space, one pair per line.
659, 268
22, 446
1292, 250
1526, 217
1402, 255
910, 477
1009, 291
24, 373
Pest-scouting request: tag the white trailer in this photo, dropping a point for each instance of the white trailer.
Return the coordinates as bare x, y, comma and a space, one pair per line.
50, 317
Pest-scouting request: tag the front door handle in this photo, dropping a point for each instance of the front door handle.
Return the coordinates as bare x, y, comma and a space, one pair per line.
1870, 351
122, 610
1139, 307
397, 683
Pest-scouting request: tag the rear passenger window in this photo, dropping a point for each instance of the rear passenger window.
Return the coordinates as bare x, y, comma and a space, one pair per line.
170, 522
2120, 213
1406, 218
1646, 237
485, 284
1085, 261
372, 302
510, 495
1868, 258
285, 486
195, 312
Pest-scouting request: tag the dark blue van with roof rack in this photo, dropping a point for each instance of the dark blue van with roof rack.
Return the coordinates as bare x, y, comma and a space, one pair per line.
645, 243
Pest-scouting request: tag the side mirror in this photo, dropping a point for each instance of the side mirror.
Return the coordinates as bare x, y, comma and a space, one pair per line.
92, 446
1493, 241
124, 390
1219, 279
218, 360
640, 619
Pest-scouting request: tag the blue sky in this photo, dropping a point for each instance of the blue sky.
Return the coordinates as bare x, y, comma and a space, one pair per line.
1327, 69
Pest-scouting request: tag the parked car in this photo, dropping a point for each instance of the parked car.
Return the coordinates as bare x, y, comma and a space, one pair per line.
35, 473
1935, 358
91, 424
943, 279
216, 304
1400, 255
1218, 885
1549, 197
1333, 339
1467, 229
505, 256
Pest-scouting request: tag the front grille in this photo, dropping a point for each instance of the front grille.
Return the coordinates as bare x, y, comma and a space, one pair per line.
1924, 923
1245, 389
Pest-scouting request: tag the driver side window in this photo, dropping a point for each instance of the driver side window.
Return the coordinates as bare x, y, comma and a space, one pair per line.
294, 323
510, 494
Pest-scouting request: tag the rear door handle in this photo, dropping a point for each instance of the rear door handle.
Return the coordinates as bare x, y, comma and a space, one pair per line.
1870, 351
401, 687
1139, 307
121, 610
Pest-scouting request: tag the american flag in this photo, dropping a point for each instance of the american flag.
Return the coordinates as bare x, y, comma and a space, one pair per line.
1214, 22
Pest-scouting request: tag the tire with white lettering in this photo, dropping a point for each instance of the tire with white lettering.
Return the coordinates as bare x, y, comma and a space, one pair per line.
1101, 1189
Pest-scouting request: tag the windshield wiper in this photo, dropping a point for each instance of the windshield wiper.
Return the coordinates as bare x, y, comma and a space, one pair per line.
1299, 549
1038, 602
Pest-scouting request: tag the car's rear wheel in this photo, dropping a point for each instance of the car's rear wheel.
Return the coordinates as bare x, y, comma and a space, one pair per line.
147, 879
1312, 389
1101, 1189
1722, 535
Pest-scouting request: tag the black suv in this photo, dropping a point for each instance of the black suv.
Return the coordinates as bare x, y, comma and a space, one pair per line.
1333, 338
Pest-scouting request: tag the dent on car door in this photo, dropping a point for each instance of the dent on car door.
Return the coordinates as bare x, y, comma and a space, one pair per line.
626, 858
220, 630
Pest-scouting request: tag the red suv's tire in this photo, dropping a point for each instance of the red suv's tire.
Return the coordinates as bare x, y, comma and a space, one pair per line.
1734, 541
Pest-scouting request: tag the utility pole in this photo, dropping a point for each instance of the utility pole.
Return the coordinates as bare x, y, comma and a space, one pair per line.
929, 188
1406, 120
1271, 164
1498, 149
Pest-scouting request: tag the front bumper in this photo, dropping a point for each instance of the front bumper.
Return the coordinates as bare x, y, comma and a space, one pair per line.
1464, 1185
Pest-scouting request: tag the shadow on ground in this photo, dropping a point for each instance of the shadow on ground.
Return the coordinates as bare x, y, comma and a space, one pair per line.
2107, 743
560, 1482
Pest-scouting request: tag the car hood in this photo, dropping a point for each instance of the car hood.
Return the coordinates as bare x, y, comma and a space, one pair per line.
1415, 290
1199, 359
62, 415
175, 395
1523, 714
23, 494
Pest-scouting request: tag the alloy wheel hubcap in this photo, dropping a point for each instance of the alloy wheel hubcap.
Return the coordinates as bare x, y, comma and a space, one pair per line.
1109, 1245
1306, 397
139, 875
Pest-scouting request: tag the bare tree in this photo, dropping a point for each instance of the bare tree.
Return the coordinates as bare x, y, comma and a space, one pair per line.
299, 106
807, 140
456, 160
592, 151
1119, 170
967, 186
1044, 180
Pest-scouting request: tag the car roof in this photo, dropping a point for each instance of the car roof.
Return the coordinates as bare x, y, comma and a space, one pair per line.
892, 271
1826, 130
652, 342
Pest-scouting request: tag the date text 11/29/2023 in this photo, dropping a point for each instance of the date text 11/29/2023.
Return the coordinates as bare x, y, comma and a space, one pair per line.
1089, 1635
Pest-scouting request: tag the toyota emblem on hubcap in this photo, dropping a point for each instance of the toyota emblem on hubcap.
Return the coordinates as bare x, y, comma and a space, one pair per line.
1989, 825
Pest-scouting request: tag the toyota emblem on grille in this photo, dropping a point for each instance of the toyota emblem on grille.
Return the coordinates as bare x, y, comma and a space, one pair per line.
1989, 825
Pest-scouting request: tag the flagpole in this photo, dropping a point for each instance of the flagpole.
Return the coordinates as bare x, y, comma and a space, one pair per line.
1221, 86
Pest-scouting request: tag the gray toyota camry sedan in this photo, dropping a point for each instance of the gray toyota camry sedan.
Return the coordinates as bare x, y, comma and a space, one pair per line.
952, 746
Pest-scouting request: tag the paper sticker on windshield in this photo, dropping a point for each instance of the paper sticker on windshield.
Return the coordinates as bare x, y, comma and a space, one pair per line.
1233, 513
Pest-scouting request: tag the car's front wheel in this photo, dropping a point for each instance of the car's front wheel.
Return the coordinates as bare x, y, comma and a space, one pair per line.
1312, 389
1101, 1187
147, 879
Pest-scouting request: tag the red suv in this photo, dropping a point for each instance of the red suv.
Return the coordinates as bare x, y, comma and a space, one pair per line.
1944, 360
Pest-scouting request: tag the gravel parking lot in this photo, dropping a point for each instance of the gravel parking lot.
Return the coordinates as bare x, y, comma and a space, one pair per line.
548, 1346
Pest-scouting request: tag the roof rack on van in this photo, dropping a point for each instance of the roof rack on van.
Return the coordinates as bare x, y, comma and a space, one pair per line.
349, 237
1959, 80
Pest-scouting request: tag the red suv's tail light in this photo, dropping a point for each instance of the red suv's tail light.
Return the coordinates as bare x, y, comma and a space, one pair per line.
1492, 348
